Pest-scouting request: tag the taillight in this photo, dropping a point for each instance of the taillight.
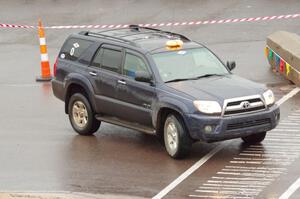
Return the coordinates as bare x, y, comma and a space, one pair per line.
54, 67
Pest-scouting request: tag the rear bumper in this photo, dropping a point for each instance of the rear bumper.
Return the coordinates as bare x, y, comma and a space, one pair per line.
230, 127
58, 89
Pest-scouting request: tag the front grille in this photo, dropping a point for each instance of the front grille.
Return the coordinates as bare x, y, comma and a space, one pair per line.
243, 105
241, 125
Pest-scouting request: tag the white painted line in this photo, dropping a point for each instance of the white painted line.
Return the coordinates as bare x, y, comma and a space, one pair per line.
249, 174
292, 141
239, 182
290, 123
207, 191
275, 160
288, 96
230, 188
285, 134
203, 196
278, 145
291, 190
287, 130
276, 152
229, 192
255, 175
256, 168
253, 172
219, 197
270, 154
233, 185
188, 172
245, 162
246, 179
294, 116
284, 142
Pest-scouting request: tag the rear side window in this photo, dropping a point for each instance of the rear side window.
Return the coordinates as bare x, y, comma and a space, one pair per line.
108, 59
74, 48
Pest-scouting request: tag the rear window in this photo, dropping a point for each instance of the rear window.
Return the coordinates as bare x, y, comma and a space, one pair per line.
74, 48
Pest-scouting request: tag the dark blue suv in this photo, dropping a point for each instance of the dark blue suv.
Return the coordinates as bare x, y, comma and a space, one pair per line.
161, 83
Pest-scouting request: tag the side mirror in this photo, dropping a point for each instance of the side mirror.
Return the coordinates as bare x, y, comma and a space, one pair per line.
230, 65
142, 76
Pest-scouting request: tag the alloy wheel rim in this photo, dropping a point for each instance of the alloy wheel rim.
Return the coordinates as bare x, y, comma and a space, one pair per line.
80, 114
172, 137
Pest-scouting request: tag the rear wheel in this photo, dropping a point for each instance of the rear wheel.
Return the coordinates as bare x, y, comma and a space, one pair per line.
176, 138
81, 115
255, 138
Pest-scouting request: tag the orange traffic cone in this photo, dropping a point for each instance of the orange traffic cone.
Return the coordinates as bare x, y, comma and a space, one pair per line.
45, 66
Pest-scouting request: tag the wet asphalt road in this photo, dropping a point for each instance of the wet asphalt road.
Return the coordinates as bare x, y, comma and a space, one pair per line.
41, 152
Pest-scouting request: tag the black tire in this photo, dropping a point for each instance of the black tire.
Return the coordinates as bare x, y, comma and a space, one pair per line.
255, 138
92, 124
184, 142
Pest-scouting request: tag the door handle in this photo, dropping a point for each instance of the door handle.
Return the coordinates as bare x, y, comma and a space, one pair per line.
121, 82
93, 73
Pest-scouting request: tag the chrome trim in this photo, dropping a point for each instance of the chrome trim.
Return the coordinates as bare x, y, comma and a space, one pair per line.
121, 82
240, 107
93, 73
245, 98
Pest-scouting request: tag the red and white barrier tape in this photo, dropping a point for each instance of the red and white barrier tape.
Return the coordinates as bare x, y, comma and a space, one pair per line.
2, 25
187, 23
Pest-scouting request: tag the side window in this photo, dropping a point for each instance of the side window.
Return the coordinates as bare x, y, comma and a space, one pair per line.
97, 59
111, 60
132, 64
108, 59
73, 49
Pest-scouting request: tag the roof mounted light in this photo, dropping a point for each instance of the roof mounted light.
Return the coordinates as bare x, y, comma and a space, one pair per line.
174, 44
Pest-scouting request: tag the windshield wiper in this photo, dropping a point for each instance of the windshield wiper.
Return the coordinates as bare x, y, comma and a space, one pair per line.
179, 80
193, 78
208, 75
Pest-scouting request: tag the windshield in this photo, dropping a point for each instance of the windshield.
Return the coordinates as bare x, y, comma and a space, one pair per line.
188, 64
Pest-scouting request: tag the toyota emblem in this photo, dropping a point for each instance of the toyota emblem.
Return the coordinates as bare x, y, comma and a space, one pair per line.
245, 104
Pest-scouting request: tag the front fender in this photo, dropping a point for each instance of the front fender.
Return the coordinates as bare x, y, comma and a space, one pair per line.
180, 106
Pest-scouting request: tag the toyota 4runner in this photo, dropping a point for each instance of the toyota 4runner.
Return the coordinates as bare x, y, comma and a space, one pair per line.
161, 83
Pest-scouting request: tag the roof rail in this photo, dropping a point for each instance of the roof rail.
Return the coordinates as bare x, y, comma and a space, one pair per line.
94, 34
137, 27
151, 30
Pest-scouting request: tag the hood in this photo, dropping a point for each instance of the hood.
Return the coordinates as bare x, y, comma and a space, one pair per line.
218, 88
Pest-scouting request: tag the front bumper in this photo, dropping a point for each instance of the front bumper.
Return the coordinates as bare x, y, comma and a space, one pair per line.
229, 127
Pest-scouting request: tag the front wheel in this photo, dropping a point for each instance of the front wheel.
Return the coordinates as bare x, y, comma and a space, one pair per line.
176, 138
255, 138
81, 115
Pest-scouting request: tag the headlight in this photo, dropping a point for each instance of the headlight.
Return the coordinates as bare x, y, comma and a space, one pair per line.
269, 97
209, 107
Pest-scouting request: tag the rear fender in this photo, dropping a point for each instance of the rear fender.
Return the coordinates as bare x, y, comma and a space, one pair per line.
79, 80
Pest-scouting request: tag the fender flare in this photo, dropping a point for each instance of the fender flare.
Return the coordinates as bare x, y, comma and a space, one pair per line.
170, 103
77, 79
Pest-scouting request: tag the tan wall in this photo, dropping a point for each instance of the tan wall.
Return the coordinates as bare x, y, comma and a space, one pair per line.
287, 46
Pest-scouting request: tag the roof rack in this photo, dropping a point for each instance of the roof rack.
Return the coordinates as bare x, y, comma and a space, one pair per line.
94, 34
137, 28
151, 30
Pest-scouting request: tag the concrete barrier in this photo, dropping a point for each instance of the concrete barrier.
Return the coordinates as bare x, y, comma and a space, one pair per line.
286, 45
